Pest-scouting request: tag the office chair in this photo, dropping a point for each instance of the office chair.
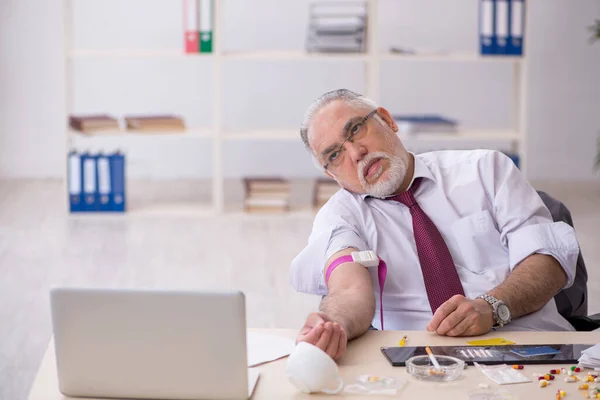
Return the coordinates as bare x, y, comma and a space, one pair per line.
572, 303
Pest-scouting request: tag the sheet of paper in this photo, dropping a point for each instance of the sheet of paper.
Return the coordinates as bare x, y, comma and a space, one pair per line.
264, 348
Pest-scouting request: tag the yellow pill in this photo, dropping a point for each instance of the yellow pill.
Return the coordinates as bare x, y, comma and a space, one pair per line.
584, 386
543, 383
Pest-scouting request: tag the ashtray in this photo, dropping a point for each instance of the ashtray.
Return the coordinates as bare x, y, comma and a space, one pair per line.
421, 367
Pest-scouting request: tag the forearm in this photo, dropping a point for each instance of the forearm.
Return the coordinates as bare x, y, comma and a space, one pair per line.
352, 307
531, 284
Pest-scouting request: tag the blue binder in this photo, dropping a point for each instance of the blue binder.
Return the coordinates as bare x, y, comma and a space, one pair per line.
75, 182
104, 183
502, 26
90, 182
117, 178
487, 27
517, 27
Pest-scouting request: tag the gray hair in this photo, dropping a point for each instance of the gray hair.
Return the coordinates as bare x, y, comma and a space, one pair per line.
347, 96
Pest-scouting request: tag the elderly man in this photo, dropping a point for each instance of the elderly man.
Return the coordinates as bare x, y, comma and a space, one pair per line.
463, 243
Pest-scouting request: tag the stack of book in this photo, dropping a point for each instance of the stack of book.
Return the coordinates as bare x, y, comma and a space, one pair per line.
324, 189
426, 123
155, 123
336, 27
93, 123
266, 195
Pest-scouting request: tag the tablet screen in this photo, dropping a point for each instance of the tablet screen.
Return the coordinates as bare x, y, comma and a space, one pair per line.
510, 354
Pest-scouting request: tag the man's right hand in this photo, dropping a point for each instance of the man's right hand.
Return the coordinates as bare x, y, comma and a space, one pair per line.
321, 331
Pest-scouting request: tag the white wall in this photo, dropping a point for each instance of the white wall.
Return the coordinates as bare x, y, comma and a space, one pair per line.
274, 95
564, 89
31, 89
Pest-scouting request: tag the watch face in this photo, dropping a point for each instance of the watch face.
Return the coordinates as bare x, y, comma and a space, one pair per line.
503, 313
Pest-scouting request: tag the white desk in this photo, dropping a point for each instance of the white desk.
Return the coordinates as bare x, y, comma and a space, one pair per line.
364, 357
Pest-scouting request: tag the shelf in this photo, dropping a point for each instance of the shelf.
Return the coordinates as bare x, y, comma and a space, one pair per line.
450, 57
188, 133
294, 55
463, 135
264, 134
134, 53
299, 55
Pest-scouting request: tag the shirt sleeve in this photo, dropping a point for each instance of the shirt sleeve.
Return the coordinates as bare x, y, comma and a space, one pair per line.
525, 224
335, 228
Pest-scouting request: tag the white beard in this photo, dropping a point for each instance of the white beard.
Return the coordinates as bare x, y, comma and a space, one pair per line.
394, 175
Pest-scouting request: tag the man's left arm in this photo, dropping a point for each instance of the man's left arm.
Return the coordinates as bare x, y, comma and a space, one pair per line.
542, 255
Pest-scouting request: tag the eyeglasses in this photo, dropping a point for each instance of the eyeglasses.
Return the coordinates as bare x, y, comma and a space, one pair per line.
357, 131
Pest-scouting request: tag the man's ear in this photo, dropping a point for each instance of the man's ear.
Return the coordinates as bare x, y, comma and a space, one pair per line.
387, 118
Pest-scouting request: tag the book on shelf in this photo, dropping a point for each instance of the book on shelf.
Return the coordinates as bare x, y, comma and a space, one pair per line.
155, 123
324, 189
266, 195
93, 123
424, 123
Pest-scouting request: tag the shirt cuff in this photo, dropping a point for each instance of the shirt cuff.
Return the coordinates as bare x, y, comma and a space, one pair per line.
555, 239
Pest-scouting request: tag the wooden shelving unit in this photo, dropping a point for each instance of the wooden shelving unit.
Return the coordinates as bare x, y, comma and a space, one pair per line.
372, 60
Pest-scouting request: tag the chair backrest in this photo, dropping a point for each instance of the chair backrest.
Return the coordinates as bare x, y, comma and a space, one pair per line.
572, 301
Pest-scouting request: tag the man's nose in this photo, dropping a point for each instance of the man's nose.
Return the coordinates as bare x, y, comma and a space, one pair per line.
356, 151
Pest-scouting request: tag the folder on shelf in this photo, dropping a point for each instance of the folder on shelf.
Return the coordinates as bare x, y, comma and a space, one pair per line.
487, 26
104, 183
117, 180
75, 182
190, 28
517, 27
502, 26
90, 176
206, 26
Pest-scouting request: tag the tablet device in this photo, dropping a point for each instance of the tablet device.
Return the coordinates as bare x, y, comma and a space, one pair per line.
490, 355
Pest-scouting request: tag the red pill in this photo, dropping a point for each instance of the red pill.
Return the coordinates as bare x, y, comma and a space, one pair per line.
577, 369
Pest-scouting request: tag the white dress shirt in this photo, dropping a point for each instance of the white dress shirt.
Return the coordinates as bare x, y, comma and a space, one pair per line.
488, 214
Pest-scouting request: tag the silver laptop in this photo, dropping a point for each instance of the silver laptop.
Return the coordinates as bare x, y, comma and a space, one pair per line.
151, 344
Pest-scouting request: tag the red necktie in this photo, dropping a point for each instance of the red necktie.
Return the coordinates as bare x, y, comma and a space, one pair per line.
439, 272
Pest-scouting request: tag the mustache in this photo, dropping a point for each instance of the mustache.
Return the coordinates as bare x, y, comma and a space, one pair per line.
370, 157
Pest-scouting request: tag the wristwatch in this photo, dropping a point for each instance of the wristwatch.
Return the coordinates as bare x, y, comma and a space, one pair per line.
502, 314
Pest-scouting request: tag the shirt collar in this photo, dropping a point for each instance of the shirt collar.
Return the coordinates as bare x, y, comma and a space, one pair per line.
421, 171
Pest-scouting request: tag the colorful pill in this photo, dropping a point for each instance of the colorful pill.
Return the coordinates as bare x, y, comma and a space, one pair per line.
570, 379
577, 369
518, 366
555, 371
551, 377
547, 377
573, 368
543, 383
562, 393
570, 372
584, 386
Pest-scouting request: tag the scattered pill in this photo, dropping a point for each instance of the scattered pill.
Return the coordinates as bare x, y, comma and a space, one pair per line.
543, 383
